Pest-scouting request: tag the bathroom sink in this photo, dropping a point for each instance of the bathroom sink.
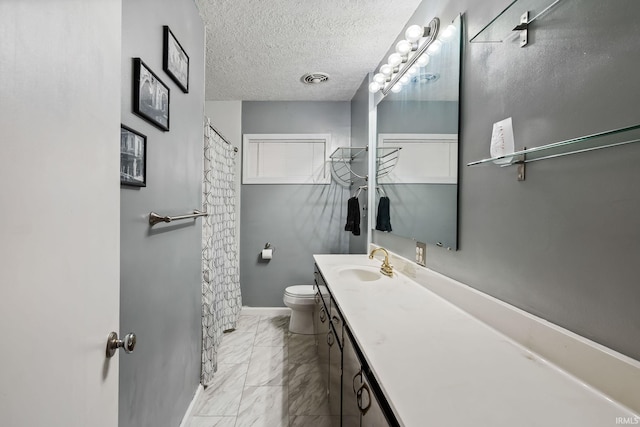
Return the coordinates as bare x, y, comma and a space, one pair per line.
362, 274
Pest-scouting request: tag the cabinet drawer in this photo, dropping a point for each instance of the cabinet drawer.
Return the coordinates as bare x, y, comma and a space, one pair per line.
321, 290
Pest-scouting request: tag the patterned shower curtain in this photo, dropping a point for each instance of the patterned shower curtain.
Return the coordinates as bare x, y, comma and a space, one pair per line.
221, 299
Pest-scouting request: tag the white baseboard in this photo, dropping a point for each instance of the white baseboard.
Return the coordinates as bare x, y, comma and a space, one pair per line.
187, 415
265, 311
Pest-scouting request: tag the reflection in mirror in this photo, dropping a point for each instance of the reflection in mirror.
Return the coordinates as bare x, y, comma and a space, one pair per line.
422, 119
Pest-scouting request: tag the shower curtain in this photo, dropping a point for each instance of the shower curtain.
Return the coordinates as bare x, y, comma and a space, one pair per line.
221, 299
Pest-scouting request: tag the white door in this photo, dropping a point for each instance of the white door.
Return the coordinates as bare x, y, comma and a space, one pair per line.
59, 211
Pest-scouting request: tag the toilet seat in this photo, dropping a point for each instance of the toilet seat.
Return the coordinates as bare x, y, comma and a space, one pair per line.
301, 300
300, 291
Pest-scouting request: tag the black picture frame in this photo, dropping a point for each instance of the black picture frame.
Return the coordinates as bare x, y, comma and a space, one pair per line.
133, 157
150, 96
175, 61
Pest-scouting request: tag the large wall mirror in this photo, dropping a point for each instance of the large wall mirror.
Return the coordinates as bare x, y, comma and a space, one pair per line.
422, 120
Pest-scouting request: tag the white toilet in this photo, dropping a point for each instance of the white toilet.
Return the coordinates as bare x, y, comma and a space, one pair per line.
301, 300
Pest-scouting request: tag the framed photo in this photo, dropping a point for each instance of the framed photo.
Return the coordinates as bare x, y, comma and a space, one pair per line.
175, 60
150, 96
133, 157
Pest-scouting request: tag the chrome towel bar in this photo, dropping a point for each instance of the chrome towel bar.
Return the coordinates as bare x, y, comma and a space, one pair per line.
154, 218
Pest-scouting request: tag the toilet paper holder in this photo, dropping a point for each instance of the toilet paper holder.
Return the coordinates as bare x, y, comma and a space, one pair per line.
267, 252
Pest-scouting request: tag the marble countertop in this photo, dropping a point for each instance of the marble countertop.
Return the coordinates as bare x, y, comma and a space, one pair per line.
438, 365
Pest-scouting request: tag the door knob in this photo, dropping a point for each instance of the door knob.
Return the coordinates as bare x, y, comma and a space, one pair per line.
113, 343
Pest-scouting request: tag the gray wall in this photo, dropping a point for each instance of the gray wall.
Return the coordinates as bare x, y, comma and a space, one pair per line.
360, 138
160, 266
417, 117
413, 204
298, 220
564, 244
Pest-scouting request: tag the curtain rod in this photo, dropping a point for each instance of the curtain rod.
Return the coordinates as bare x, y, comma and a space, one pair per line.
223, 137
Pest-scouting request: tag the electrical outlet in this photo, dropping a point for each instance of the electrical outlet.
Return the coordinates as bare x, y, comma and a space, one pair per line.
421, 253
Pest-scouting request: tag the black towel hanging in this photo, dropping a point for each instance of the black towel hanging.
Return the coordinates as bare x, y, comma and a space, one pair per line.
383, 220
353, 216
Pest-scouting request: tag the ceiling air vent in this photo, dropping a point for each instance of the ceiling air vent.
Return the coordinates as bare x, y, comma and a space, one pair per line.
314, 78
425, 78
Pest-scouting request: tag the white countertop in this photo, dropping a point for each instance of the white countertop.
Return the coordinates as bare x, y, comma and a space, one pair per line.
438, 365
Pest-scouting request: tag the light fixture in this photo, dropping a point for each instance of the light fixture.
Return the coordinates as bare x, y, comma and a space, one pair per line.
434, 48
403, 47
414, 33
409, 55
380, 78
448, 32
386, 69
395, 59
374, 87
423, 60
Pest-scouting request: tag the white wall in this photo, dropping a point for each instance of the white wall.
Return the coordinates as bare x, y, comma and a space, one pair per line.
226, 117
59, 194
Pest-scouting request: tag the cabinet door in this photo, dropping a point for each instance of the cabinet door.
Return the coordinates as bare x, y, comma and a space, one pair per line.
335, 374
321, 329
351, 382
372, 415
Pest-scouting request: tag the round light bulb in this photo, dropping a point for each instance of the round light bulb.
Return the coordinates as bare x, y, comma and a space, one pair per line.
414, 69
448, 32
386, 69
404, 80
374, 87
423, 61
435, 47
403, 47
414, 33
396, 88
395, 59
380, 78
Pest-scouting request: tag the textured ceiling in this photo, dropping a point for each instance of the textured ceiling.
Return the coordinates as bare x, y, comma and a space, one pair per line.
259, 50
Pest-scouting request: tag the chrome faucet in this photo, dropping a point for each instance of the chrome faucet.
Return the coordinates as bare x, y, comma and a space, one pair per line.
386, 269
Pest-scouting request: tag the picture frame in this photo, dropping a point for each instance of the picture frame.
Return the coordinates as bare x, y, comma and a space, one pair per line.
175, 61
133, 157
150, 96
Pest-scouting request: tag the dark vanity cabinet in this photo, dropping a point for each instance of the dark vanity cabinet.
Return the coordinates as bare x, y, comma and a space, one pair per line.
361, 405
321, 326
352, 373
354, 398
335, 362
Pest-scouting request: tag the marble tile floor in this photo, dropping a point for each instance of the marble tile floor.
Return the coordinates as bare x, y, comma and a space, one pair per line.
267, 377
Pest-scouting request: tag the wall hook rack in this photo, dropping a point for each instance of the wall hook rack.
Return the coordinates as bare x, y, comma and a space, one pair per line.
343, 157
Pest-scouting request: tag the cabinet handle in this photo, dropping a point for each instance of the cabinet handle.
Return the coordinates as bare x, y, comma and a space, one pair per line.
330, 338
336, 320
364, 410
353, 382
323, 315
318, 298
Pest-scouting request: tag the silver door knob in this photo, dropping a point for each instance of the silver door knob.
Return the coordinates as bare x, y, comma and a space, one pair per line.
113, 343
